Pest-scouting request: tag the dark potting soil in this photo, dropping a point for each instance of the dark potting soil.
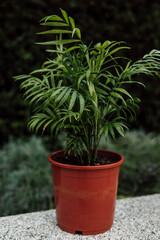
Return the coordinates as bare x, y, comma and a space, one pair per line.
72, 160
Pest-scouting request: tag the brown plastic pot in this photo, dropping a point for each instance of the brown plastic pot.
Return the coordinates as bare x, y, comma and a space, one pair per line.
85, 196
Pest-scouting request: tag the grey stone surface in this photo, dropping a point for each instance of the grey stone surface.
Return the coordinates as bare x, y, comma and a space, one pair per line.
135, 219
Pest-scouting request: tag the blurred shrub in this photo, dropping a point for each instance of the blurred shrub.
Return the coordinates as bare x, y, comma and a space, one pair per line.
99, 20
140, 173
25, 177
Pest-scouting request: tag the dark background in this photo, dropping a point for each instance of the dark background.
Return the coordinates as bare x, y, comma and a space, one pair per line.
135, 22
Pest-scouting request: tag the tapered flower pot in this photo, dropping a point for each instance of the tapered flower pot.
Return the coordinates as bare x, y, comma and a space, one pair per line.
85, 196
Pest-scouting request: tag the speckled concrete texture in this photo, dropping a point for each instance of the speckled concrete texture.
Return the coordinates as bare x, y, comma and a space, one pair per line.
135, 219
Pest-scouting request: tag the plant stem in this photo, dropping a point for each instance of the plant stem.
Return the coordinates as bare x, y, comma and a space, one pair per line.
87, 134
95, 148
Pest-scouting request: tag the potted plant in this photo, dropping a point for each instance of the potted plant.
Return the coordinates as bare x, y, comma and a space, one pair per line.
80, 89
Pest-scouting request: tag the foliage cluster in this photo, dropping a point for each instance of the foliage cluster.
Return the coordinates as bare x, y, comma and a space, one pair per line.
25, 177
80, 89
26, 184
118, 20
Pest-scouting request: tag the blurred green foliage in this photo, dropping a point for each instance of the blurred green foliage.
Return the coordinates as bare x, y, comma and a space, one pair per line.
136, 22
26, 180
25, 177
140, 172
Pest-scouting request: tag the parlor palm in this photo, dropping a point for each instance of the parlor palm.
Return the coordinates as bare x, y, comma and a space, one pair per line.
80, 88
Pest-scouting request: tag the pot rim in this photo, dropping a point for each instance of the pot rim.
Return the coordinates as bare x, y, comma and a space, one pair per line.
79, 167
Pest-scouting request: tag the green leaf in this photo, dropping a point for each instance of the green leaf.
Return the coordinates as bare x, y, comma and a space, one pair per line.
79, 80
137, 100
82, 104
66, 41
106, 130
123, 91
127, 66
91, 88
101, 130
72, 22
20, 77
54, 24
52, 80
101, 91
88, 74
40, 124
120, 130
46, 125
41, 71
64, 15
51, 114
111, 130
93, 52
97, 46
73, 100
51, 18
31, 93
72, 48
117, 49
55, 31
114, 94
55, 93
65, 89
136, 105
104, 86
33, 123
65, 97
112, 100
60, 83
78, 33
36, 96
105, 44
58, 128
130, 82
53, 126
54, 51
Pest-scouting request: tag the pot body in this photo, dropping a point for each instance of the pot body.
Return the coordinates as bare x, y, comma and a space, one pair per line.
85, 196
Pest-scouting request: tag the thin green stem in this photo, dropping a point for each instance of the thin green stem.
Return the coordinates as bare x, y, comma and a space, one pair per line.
87, 134
95, 149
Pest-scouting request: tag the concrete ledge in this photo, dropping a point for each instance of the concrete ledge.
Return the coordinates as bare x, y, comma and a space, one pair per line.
135, 219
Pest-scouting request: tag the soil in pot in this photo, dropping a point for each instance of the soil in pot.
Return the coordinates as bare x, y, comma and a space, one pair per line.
72, 160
